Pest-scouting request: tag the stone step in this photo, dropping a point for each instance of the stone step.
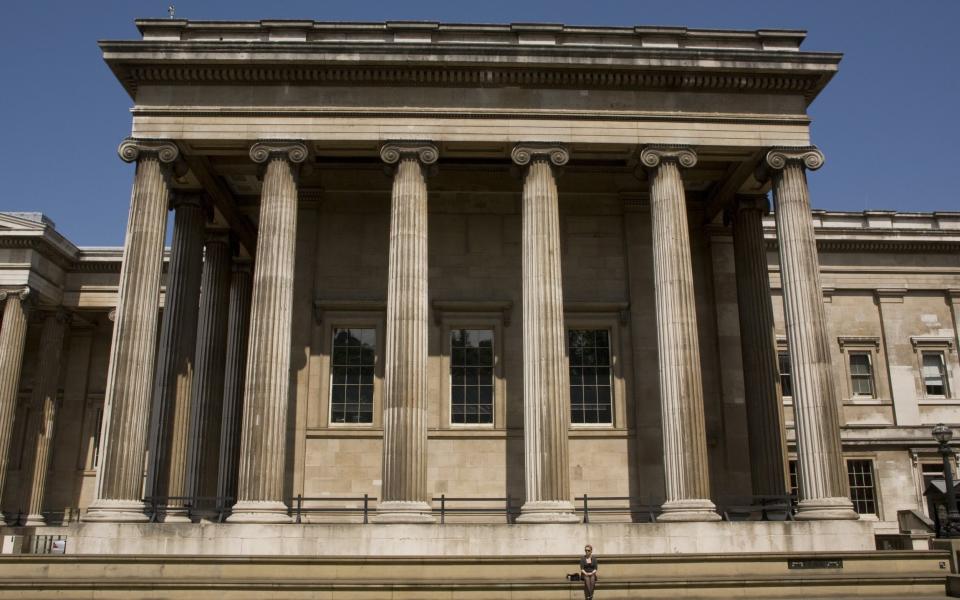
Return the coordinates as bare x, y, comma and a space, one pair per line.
917, 574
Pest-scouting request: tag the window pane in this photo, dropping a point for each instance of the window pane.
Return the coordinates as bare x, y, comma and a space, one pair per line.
786, 382
591, 400
862, 492
352, 360
471, 376
934, 374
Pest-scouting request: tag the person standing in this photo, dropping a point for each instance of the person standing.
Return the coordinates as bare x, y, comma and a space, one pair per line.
588, 572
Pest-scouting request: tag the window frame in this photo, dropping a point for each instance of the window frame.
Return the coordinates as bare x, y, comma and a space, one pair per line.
609, 366
449, 321
877, 515
783, 348
869, 345
947, 350
612, 322
377, 344
448, 341
321, 417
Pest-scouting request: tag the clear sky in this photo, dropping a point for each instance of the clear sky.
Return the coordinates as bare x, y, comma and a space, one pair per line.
888, 122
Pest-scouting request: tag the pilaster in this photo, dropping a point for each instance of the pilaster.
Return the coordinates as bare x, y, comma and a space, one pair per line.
681, 388
546, 380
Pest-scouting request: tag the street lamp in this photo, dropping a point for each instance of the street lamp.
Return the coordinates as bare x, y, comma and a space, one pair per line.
943, 435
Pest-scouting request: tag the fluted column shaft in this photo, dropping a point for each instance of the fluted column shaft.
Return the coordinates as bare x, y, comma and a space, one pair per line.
765, 428
233, 378
172, 388
681, 389
131, 367
13, 335
265, 400
44, 406
404, 496
204, 450
546, 380
824, 492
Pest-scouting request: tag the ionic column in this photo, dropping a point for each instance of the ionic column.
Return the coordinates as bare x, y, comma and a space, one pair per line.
824, 492
43, 400
131, 367
203, 453
685, 464
13, 335
234, 370
546, 380
265, 400
172, 387
404, 496
765, 428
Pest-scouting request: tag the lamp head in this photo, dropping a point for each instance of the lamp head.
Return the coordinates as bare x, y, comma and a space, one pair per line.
942, 433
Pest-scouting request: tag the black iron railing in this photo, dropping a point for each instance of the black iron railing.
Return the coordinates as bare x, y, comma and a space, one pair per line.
298, 509
191, 506
505, 507
619, 505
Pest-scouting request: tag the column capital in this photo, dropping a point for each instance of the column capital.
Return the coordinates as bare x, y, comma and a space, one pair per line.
525, 152
779, 157
654, 155
292, 150
23, 294
242, 265
423, 150
197, 199
131, 149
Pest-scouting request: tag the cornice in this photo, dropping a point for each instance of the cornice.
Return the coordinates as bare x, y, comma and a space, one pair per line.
343, 112
862, 245
482, 76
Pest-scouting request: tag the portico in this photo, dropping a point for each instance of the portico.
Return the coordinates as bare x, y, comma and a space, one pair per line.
362, 216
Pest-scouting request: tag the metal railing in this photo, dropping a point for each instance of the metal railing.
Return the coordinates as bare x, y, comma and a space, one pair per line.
192, 506
757, 508
298, 509
642, 513
506, 509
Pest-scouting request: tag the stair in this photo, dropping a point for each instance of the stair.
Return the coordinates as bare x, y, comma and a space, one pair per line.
877, 574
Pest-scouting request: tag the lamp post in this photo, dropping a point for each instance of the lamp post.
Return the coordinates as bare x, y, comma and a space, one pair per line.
943, 435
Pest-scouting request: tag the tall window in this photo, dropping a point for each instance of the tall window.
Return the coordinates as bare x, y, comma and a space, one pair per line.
786, 382
862, 490
471, 376
861, 374
934, 374
591, 399
95, 441
352, 365
794, 478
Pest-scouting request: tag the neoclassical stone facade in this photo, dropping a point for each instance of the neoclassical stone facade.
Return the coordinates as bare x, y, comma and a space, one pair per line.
525, 263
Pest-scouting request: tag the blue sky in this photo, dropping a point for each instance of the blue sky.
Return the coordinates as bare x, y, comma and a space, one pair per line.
888, 122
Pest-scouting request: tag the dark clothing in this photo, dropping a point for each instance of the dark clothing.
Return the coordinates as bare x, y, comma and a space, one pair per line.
588, 568
589, 574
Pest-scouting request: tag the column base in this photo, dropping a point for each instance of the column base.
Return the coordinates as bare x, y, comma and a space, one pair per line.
177, 514
265, 511
823, 509
402, 511
548, 511
116, 511
37, 520
688, 511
